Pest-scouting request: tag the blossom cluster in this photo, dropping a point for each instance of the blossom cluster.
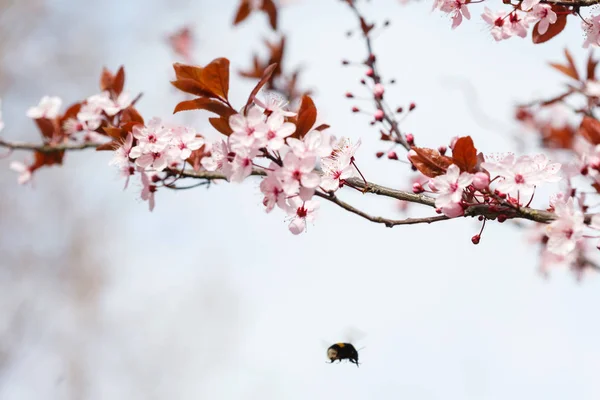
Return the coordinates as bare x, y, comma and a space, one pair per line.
504, 24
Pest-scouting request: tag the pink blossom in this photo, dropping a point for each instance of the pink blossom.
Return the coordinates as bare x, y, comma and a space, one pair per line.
154, 137
564, 232
219, 159
314, 144
271, 188
157, 160
241, 166
345, 150
297, 171
335, 171
148, 189
121, 155
47, 108
519, 177
114, 107
184, 142
277, 130
527, 5
450, 187
592, 88
592, 31
23, 170
274, 104
127, 171
458, 9
517, 25
453, 210
248, 131
544, 14
303, 212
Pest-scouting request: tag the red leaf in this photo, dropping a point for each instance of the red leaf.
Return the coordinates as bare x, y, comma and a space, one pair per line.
196, 157
106, 79
596, 186
119, 81
591, 68
270, 9
307, 115
204, 103
429, 161
47, 159
554, 29
322, 127
110, 146
222, 125
71, 113
215, 77
115, 133
184, 71
366, 28
590, 129
464, 154
193, 87
266, 75
47, 127
130, 114
242, 12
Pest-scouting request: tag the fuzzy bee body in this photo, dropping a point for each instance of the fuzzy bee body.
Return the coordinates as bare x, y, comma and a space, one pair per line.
342, 351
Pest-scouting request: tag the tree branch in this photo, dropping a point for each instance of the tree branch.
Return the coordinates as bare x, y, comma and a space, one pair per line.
46, 148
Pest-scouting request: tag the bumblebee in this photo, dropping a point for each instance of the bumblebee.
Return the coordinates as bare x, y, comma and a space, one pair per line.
342, 351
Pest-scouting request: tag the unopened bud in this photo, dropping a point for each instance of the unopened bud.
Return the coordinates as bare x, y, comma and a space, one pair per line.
387, 22
410, 139
370, 72
392, 155
412, 106
438, 210
442, 150
418, 188
345, 62
371, 58
378, 90
480, 218
155, 179
355, 109
501, 218
379, 154
363, 82
379, 115
585, 170
399, 110
481, 180
412, 167
475, 239
349, 95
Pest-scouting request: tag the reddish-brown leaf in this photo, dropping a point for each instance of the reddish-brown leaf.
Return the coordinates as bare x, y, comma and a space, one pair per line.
565, 69
591, 67
193, 87
322, 127
242, 12
106, 79
571, 63
269, 7
256, 71
222, 125
47, 159
110, 146
115, 133
184, 71
464, 154
429, 161
596, 186
47, 127
128, 126
558, 138
554, 29
215, 77
71, 113
119, 81
204, 103
131, 114
366, 28
307, 115
266, 75
590, 129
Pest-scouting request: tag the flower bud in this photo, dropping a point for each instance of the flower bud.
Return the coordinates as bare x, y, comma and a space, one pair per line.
378, 90
481, 180
475, 239
379, 115
410, 139
418, 188
392, 155
379, 154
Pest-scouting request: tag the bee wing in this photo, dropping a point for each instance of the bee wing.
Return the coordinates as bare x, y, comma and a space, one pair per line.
353, 335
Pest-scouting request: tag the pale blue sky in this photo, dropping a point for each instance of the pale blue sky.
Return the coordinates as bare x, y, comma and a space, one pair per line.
210, 297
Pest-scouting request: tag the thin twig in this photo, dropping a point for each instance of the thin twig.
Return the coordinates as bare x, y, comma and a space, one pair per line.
46, 148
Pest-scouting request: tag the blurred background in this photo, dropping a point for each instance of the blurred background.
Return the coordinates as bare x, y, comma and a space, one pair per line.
208, 296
